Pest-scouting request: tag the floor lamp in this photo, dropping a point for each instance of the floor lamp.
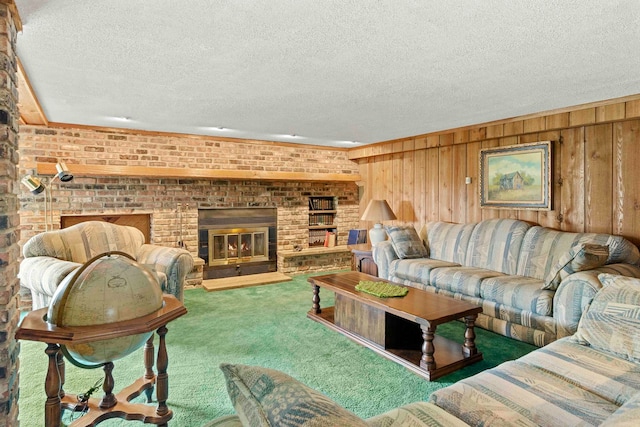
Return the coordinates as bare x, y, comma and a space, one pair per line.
36, 186
378, 211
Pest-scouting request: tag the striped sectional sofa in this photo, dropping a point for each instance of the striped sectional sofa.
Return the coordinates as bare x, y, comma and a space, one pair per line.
591, 378
51, 256
532, 282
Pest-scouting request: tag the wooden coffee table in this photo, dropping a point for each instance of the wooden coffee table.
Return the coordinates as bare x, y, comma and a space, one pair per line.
400, 329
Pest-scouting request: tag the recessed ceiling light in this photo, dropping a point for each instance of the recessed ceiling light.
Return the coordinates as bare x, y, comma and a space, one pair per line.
214, 128
290, 135
346, 143
120, 118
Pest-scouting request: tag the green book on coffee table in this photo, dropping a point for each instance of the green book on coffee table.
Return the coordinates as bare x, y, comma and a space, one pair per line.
381, 289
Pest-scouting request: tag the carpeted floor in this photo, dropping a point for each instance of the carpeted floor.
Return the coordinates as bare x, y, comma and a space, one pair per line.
264, 325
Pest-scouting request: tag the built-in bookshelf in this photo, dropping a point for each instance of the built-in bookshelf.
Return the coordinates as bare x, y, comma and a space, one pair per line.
322, 215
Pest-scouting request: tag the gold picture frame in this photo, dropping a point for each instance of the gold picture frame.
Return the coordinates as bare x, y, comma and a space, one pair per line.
516, 176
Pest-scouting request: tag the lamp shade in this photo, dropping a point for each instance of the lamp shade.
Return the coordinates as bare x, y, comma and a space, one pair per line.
63, 172
378, 211
33, 184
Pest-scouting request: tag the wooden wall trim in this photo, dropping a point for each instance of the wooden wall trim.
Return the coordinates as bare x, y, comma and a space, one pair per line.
31, 111
191, 173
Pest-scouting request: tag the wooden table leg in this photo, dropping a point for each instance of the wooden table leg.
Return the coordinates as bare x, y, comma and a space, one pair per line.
52, 409
149, 358
61, 373
162, 381
469, 347
109, 399
427, 360
315, 307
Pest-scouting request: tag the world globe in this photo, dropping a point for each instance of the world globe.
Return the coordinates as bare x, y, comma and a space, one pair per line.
111, 287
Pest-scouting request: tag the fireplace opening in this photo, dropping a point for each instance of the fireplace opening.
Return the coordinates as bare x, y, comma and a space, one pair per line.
237, 241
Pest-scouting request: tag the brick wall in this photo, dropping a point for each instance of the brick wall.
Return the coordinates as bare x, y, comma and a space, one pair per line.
9, 220
161, 196
314, 261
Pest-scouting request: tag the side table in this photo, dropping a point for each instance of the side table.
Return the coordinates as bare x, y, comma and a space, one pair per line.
362, 259
34, 327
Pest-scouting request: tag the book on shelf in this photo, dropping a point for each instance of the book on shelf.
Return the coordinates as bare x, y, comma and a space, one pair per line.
320, 219
321, 204
357, 236
329, 239
316, 237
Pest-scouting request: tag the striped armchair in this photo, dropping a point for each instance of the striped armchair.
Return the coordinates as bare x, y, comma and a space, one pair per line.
51, 256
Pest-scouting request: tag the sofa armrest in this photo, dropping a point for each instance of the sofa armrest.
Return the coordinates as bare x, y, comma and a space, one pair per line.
576, 292
383, 254
42, 275
175, 263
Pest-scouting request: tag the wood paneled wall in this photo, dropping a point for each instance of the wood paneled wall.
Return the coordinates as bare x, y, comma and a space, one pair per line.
596, 172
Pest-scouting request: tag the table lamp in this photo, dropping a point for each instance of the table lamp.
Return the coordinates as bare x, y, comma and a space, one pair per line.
378, 211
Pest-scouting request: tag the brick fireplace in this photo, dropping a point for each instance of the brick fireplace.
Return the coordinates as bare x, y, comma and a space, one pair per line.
173, 204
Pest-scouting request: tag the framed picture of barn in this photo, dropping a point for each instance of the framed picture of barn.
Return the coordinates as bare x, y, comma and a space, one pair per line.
516, 176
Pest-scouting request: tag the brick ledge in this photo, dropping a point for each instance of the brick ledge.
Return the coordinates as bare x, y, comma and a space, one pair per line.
313, 251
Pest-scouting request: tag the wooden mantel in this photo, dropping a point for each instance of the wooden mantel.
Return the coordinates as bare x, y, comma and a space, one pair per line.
191, 173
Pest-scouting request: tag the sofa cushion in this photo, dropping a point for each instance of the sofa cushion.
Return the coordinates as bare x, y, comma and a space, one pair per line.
543, 247
585, 256
416, 414
416, 270
461, 280
516, 393
525, 293
612, 319
266, 397
495, 245
615, 379
447, 241
406, 242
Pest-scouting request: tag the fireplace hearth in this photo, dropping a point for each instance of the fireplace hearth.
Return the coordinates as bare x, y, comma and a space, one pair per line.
237, 241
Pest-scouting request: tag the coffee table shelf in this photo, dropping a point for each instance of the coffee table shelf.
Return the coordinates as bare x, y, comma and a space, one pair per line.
400, 329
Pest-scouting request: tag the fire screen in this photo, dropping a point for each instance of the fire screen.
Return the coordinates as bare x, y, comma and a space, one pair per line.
237, 245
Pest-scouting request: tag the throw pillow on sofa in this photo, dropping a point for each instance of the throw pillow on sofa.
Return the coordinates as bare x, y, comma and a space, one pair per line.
266, 397
406, 242
613, 317
585, 256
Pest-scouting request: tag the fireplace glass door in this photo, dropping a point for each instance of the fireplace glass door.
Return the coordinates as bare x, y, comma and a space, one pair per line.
237, 245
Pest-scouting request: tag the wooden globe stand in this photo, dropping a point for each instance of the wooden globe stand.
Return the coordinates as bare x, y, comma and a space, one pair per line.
34, 327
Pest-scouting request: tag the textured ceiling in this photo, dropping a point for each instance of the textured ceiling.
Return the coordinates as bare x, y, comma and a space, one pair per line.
329, 72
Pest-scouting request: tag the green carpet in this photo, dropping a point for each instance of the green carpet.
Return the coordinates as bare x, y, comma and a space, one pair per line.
266, 326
